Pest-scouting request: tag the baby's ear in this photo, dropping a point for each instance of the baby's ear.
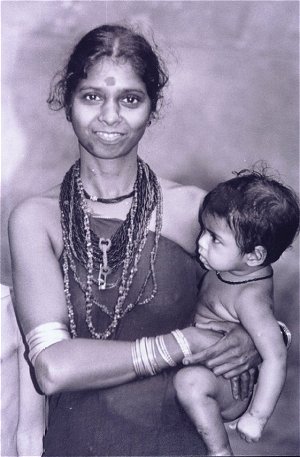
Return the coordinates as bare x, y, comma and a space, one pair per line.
256, 257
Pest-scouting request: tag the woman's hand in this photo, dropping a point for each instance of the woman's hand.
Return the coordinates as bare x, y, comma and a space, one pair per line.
232, 355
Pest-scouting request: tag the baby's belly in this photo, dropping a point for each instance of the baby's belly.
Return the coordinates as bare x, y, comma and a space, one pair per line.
204, 318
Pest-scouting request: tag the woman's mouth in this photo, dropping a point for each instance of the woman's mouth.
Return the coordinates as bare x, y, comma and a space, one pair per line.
109, 137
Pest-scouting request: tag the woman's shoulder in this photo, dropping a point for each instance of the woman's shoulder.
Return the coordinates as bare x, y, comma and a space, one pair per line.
37, 218
183, 191
188, 198
181, 205
32, 210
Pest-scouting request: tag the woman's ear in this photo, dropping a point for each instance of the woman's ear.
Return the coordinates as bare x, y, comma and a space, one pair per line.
256, 257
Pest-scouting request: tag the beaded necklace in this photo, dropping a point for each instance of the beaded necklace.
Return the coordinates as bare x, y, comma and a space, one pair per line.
107, 201
126, 245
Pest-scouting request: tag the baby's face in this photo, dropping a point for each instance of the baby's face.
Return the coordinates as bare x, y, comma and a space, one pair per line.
217, 247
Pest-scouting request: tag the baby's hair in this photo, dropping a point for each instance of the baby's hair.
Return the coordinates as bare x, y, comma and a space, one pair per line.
116, 42
259, 209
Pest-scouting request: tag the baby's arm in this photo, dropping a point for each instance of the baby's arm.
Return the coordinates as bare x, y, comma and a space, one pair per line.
255, 313
31, 424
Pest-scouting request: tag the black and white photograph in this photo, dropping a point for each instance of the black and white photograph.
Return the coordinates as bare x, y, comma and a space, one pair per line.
149, 228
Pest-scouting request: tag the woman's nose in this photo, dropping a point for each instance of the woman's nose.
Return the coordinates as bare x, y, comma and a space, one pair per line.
109, 112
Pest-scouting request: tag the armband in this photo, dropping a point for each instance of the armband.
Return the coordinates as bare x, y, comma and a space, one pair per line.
286, 334
43, 336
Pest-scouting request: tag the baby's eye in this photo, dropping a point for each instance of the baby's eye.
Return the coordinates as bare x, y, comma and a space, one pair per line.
215, 239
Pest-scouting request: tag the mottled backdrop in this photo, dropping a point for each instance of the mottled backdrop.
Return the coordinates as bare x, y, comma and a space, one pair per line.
232, 100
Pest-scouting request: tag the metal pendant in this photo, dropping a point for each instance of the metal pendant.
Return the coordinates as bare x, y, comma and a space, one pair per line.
105, 270
103, 273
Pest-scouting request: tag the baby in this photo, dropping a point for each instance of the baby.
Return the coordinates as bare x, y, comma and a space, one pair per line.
246, 224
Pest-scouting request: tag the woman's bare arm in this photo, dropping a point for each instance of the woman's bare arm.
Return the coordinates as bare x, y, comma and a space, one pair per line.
39, 292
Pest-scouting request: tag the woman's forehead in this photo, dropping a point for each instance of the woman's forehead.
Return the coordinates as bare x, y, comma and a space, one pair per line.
113, 71
110, 81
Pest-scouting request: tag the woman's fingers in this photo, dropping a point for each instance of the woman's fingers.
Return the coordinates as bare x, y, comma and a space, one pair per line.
220, 357
235, 387
237, 371
222, 327
210, 353
242, 386
239, 386
253, 378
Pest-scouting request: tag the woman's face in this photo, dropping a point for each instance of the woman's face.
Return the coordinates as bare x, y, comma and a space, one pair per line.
110, 110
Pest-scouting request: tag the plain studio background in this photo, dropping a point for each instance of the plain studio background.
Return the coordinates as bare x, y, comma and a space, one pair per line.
232, 100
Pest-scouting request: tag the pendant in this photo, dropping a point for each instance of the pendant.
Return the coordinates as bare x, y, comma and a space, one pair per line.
105, 270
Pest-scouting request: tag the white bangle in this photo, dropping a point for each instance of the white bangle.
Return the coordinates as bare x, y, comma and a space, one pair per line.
150, 348
135, 361
43, 336
162, 349
286, 334
144, 357
182, 342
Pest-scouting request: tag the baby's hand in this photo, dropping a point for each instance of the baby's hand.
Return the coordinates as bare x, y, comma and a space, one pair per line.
250, 427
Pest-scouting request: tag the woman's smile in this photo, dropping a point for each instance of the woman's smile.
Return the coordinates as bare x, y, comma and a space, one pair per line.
109, 137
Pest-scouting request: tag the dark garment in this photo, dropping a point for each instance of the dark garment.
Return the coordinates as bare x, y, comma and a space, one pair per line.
140, 418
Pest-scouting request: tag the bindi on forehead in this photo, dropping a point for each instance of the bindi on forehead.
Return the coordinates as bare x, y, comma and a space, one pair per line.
110, 81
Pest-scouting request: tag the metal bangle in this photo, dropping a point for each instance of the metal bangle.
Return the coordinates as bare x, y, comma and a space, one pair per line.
286, 334
182, 342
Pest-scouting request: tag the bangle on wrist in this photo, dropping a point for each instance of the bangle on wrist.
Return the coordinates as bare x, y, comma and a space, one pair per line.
182, 342
144, 357
164, 353
144, 353
286, 334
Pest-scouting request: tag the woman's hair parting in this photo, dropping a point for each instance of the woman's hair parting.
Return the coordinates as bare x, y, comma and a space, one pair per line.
117, 42
258, 209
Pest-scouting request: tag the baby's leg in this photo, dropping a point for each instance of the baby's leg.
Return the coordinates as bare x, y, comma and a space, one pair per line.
207, 400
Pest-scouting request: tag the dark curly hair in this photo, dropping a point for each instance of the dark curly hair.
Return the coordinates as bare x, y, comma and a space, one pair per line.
258, 209
114, 41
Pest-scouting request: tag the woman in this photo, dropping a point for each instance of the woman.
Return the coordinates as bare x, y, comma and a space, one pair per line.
107, 257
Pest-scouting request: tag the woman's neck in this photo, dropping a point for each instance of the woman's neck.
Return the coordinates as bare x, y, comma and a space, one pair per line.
108, 178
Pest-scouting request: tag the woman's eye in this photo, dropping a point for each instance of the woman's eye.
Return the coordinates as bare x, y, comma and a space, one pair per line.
131, 100
92, 97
